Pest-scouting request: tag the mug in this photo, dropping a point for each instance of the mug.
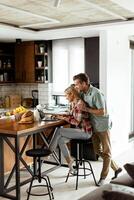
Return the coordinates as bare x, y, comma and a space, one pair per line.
39, 63
41, 49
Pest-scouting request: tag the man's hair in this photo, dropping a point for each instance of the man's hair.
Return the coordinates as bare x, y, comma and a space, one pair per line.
83, 77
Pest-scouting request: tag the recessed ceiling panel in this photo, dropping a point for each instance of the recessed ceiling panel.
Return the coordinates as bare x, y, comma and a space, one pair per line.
43, 14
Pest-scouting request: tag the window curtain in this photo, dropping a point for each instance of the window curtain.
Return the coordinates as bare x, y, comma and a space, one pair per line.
68, 60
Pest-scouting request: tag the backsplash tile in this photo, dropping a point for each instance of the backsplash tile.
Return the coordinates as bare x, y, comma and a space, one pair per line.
44, 91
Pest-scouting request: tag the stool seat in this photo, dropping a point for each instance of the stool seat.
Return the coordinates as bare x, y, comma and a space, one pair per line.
38, 152
81, 141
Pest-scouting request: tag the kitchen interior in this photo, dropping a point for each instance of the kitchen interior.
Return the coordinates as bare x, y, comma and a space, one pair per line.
48, 49
26, 73
43, 44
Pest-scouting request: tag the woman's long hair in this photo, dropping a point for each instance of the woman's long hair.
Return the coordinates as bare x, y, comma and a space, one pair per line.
72, 90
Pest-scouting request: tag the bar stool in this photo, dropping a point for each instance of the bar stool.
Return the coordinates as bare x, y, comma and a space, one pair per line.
37, 154
80, 161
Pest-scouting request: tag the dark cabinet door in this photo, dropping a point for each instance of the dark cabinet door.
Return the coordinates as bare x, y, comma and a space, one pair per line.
19, 62
24, 62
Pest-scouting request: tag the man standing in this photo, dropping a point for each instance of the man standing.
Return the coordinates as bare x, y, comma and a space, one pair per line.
100, 123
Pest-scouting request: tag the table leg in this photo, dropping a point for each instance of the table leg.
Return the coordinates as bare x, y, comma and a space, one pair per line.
17, 163
1, 166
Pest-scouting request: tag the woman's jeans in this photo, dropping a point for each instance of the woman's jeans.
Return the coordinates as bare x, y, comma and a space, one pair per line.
64, 135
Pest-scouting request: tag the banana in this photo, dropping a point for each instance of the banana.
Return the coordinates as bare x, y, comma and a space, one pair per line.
8, 113
19, 109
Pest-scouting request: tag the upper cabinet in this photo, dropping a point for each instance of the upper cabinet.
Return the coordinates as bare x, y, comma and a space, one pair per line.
7, 63
43, 64
33, 62
24, 62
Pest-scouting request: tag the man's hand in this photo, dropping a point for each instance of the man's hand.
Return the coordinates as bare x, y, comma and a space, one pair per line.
99, 112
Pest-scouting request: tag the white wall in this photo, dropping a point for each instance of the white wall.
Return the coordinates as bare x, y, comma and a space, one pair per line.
115, 81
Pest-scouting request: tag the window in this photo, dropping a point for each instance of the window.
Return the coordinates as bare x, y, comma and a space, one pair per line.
68, 60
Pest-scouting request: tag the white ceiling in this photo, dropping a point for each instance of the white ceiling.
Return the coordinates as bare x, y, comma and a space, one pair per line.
43, 19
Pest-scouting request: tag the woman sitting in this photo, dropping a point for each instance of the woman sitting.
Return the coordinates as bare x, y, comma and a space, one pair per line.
77, 118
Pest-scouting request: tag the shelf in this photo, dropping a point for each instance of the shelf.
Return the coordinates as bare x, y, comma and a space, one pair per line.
41, 60
39, 54
7, 69
7, 63
6, 55
40, 82
2, 82
43, 57
38, 68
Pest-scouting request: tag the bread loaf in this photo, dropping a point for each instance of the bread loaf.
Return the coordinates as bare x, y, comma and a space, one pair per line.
27, 114
27, 118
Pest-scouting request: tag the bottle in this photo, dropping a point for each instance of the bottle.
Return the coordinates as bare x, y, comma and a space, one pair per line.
42, 78
8, 63
4, 65
36, 115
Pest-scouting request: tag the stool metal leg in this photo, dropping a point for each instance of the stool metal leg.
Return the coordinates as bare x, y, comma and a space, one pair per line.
77, 175
81, 164
84, 168
91, 169
77, 165
37, 175
51, 189
39, 170
30, 187
67, 177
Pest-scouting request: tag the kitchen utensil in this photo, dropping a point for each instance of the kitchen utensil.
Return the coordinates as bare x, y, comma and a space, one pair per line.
35, 97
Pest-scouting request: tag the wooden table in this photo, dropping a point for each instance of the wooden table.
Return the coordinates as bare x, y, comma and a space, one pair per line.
9, 128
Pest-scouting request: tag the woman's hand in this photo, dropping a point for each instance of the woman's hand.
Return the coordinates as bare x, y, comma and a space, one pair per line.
83, 107
62, 117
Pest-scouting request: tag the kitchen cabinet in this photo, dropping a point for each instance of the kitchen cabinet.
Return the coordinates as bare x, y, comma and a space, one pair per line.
7, 68
32, 60
43, 64
24, 62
